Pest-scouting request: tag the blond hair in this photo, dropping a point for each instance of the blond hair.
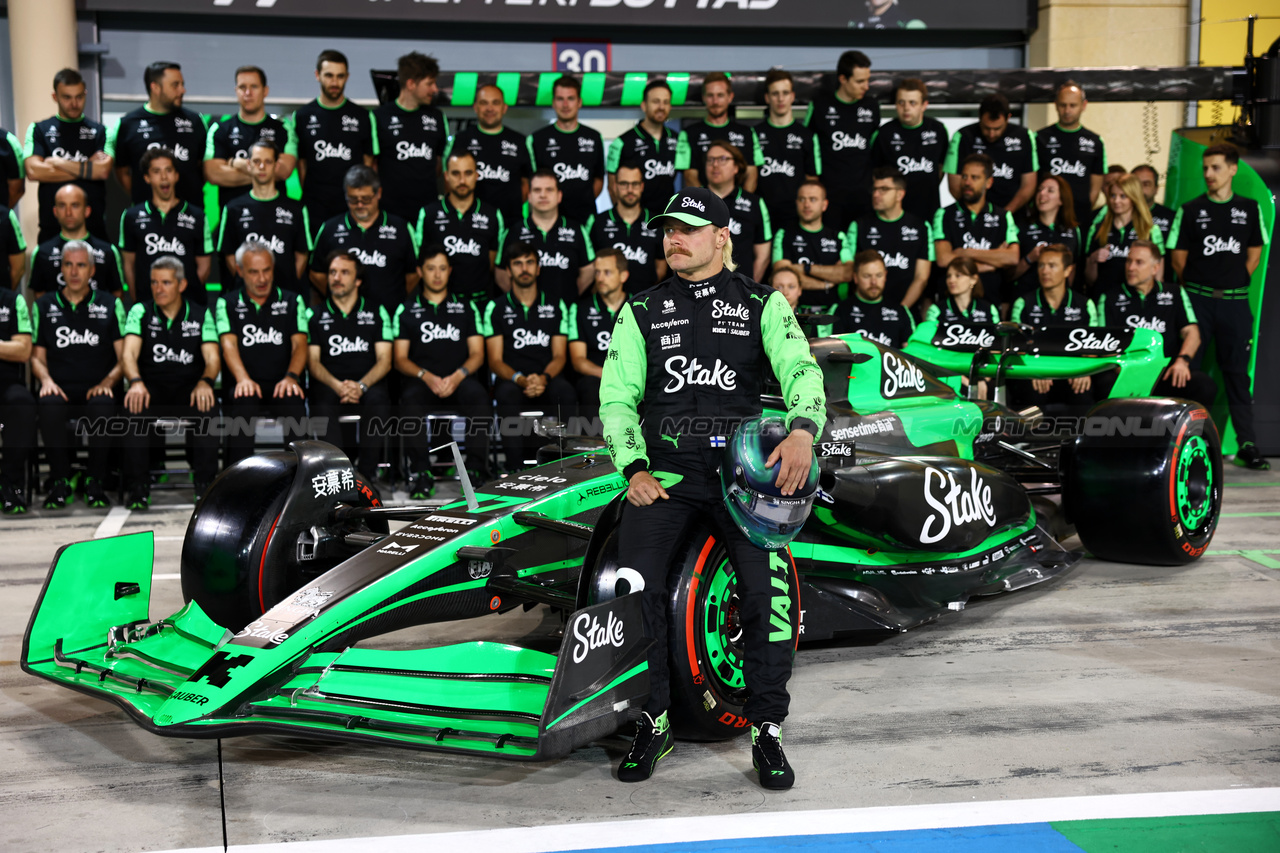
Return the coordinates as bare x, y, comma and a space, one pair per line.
726, 254
1141, 220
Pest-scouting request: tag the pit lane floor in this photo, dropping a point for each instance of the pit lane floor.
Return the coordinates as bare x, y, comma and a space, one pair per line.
1114, 680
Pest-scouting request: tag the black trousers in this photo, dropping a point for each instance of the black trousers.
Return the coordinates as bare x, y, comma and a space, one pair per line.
518, 439
1230, 323
469, 399
242, 412
374, 409
18, 433
1058, 401
92, 414
647, 538
588, 388
202, 443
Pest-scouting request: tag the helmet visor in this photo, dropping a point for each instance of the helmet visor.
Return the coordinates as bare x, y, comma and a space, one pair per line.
780, 516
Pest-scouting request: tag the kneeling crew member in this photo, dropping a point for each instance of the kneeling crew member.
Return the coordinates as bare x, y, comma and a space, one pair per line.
170, 361
717, 373
350, 353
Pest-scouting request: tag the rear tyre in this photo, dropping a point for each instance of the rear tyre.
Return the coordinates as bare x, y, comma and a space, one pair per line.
1147, 486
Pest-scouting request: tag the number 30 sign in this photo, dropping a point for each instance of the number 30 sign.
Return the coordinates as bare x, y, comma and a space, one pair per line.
581, 57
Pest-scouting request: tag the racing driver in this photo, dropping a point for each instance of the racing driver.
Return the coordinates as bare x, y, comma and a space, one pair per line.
693, 354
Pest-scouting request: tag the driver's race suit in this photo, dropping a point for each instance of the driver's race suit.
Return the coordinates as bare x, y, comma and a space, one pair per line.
691, 359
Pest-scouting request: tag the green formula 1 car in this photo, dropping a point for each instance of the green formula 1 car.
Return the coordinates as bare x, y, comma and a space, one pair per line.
927, 499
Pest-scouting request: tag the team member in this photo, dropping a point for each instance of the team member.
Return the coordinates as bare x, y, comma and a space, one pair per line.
469, 229
1071, 150
17, 406
696, 139
867, 311
68, 148
267, 215
652, 145
164, 225
904, 241
333, 135
813, 251
975, 228
161, 122
1125, 219
916, 145
748, 217
964, 302
573, 151
11, 167
411, 135
790, 150
526, 339
1011, 147
672, 382
844, 122
170, 361
1050, 220
262, 330
12, 247
70, 211
440, 348
1217, 243
228, 154
626, 227
1161, 215
383, 241
564, 248
502, 155
786, 281
591, 329
349, 355
1055, 305
76, 359
1142, 301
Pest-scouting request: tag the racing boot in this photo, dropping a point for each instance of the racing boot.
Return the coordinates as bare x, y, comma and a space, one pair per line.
1251, 457
768, 758
95, 496
652, 742
59, 493
422, 486
14, 502
139, 498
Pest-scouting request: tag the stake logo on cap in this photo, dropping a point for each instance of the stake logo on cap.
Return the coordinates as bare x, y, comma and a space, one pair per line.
696, 206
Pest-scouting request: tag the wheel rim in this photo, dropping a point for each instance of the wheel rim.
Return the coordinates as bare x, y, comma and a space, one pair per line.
722, 632
1194, 485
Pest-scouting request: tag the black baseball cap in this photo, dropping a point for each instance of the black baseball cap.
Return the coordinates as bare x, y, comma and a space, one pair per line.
696, 206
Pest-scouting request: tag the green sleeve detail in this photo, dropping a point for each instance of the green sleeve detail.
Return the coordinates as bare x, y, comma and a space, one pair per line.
119, 267
1157, 237
683, 156
533, 158
615, 156
208, 237
565, 319
24, 318
502, 234
448, 149
29, 146
1101, 315
808, 116
938, 230
208, 142
35, 322
817, 155
386, 323
290, 139
112, 133
874, 136
17, 230
209, 329
395, 322
221, 321
757, 156
1172, 242
777, 245
1103, 146
911, 319
931, 240
306, 227
1186, 306
1035, 154
1093, 230
133, 323
373, 135
222, 233
1015, 313
120, 316
486, 322
846, 247
953, 155
1010, 229
571, 318
793, 364
622, 389
304, 316
445, 119
932, 314
17, 154
1092, 310
851, 237
764, 217
586, 241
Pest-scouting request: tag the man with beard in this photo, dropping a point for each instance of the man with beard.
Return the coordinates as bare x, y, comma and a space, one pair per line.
470, 230
591, 328
563, 246
267, 215
652, 145
1012, 150
570, 149
975, 228
71, 212
904, 241
625, 227
526, 336
844, 122
916, 145
697, 138
502, 155
164, 224
161, 122
411, 135
227, 156
748, 218
816, 253
866, 311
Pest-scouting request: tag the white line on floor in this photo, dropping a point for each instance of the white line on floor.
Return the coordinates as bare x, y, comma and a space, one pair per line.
111, 525
622, 834
167, 576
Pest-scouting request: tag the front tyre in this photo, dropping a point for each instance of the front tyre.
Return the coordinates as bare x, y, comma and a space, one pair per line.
1143, 484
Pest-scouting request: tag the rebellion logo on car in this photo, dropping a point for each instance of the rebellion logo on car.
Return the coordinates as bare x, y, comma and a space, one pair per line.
900, 376
589, 634
953, 504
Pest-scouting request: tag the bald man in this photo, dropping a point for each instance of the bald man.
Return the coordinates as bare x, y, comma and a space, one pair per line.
503, 167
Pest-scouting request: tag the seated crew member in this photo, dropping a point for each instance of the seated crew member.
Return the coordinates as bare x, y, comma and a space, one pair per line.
170, 361
164, 225
816, 253
1054, 304
748, 218
563, 245
349, 355
440, 349
76, 359
526, 339
262, 330
1049, 219
964, 302
626, 227
1125, 218
866, 311
786, 281
904, 240
70, 211
975, 228
267, 215
17, 406
1145, 302
591, 326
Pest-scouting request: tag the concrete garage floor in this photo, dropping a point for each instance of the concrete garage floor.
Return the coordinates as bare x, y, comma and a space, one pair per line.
1115, 679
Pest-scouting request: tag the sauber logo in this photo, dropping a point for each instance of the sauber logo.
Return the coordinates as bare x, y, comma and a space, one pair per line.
589, 634
900, 376
953, 504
